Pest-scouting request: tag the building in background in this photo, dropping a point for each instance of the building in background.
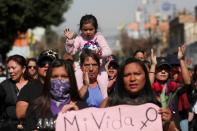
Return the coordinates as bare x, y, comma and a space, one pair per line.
183, 30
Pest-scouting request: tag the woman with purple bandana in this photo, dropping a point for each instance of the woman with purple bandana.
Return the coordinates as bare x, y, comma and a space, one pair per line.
59, 94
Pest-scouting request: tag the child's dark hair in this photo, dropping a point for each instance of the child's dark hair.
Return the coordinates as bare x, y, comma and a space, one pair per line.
88, 19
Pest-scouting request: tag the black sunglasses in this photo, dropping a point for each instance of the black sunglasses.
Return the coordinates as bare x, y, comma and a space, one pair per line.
29, 67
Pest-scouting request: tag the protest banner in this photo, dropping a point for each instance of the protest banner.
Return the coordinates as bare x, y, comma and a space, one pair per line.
118, 118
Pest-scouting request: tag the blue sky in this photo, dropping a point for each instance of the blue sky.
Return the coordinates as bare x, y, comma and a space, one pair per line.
112, 13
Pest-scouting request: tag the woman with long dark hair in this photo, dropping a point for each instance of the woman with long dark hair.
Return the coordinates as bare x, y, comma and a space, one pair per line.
126, 95
134, 88
10, 89
59, 94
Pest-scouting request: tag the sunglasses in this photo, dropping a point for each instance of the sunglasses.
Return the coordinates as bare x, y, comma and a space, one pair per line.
30, 67
167, 69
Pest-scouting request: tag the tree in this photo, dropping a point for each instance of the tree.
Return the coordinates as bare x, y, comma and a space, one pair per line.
19, 15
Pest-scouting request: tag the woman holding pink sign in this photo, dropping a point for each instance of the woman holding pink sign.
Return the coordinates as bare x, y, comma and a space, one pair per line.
59, 94
134, 88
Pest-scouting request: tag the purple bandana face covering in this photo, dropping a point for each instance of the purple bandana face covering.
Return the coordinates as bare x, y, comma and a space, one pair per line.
60, 90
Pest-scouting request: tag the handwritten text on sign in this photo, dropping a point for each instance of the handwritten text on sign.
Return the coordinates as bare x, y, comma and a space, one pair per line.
118, 118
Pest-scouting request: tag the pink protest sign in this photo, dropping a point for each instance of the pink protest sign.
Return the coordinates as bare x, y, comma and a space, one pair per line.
118, 118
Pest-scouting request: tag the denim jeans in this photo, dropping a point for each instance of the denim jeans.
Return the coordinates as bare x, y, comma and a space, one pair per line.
184, 125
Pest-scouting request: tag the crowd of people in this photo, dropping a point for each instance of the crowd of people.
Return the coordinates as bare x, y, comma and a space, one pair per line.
36, 89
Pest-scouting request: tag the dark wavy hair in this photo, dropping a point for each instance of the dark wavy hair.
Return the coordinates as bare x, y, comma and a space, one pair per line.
88, 53
43, 102
31, 59
20, 60
121, 95
88, 19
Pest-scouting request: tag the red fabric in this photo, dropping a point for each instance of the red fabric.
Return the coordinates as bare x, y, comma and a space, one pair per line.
157, 87
183, 103
172, 86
